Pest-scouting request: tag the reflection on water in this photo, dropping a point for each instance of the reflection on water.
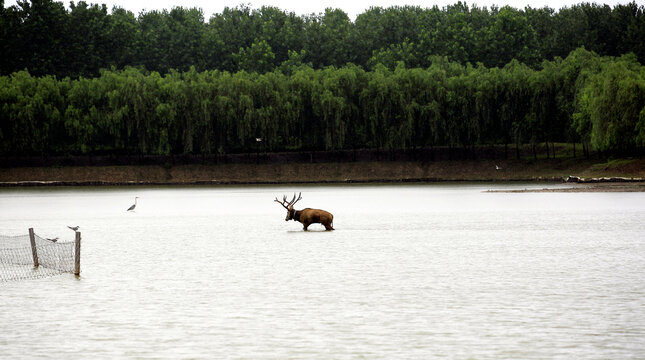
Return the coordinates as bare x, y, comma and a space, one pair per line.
414, 271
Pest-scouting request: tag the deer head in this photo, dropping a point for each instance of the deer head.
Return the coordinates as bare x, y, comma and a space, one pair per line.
289, 205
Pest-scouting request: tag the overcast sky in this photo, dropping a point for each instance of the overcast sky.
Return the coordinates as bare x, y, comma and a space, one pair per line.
300, 7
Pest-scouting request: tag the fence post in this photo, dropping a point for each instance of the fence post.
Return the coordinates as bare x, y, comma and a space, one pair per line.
77, 255
34, 252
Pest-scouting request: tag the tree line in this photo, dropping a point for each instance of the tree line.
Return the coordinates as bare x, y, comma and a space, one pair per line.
597, 101
46, 38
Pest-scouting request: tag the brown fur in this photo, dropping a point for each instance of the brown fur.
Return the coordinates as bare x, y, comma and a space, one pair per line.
311, 216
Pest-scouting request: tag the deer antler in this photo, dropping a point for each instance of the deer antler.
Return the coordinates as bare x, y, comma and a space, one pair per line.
293, 202
286, 204
283, 202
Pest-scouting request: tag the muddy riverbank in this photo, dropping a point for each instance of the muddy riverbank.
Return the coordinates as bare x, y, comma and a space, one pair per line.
551, 170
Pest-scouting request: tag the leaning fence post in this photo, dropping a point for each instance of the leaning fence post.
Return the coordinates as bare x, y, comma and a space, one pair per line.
34, 252
77, 255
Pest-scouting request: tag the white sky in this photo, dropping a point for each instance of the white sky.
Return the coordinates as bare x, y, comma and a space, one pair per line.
351, 7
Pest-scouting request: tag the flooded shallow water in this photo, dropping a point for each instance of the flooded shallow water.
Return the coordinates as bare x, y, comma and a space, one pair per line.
412, 271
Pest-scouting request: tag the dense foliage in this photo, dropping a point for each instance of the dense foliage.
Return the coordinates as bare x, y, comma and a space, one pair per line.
48, 39
583, 98
86, 80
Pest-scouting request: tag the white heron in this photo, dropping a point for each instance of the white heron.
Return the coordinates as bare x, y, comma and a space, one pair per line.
131, 208
497, 167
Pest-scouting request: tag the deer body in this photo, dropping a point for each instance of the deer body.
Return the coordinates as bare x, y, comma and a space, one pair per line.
307, 216
313, 216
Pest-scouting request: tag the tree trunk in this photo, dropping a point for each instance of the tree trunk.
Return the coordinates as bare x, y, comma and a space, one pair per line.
546, 143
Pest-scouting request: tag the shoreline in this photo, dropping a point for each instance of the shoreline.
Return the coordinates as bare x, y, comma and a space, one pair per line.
594, 182
224, 183
638, 186
624, 186
571, 171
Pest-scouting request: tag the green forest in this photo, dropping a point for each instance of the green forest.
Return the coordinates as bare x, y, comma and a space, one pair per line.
86, 80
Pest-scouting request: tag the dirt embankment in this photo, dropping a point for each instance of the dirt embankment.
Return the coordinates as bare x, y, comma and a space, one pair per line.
325, 172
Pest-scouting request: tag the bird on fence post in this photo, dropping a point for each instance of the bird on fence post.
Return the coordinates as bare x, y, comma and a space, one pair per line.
75, 228
131, 208
52, 240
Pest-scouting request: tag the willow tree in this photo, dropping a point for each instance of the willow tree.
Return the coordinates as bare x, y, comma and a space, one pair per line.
578, 68
516, 97
32, 114
133, 98
85, 116
301, 84
378, 105
336, 104
546, 124
271, 100
614, 102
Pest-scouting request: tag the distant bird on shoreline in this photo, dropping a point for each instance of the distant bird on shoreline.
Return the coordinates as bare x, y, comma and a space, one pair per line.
497, 167
131, 208
75, 228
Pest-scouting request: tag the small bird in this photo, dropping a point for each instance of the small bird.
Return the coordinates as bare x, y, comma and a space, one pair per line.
75, 228
52, 240
258, 139
131, 208
497, 167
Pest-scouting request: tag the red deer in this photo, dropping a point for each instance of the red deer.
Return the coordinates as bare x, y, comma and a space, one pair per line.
306, 216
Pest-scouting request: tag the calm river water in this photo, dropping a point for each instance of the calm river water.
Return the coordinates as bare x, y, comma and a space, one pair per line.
412, 272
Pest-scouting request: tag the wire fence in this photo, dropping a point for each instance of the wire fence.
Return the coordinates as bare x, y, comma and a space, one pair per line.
31, 256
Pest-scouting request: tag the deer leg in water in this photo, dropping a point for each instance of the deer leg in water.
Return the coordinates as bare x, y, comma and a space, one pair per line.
305, 226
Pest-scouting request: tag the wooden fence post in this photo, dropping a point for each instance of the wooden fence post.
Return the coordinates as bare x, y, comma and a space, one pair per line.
34, 252
77, 255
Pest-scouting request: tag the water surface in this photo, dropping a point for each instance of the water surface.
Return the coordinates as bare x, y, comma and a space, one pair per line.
412, 271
